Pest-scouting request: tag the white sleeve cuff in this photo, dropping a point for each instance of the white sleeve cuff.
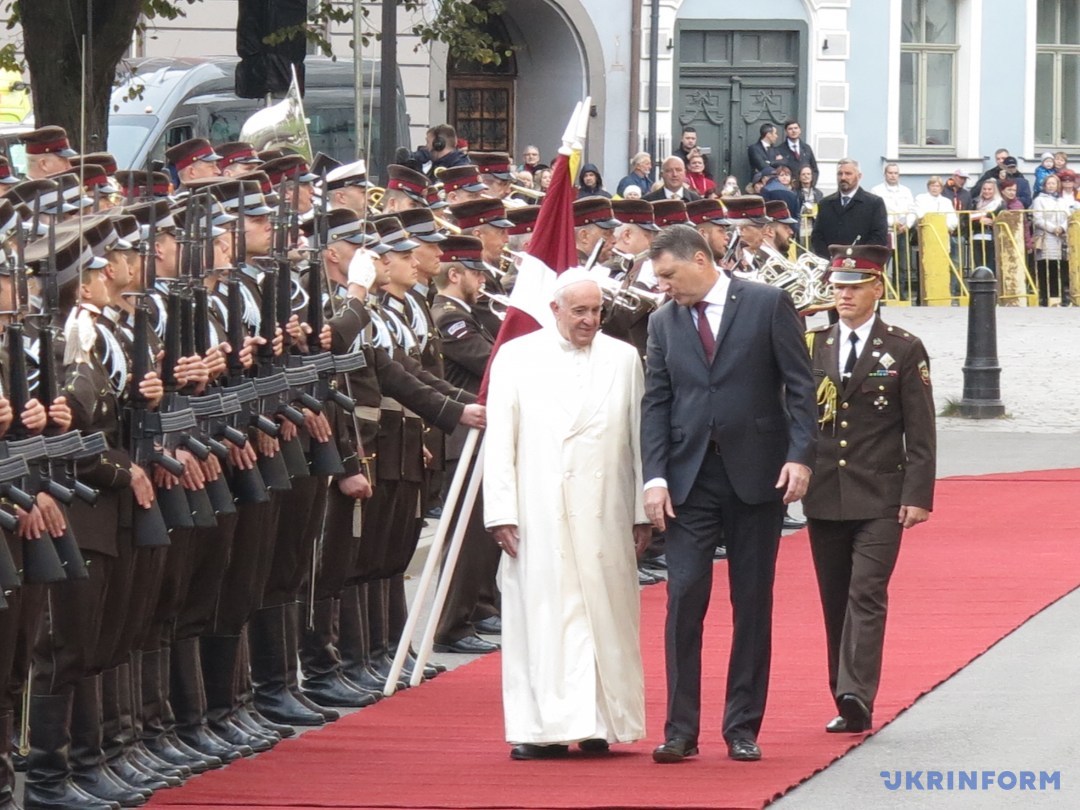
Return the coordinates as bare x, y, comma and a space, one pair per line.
652, 483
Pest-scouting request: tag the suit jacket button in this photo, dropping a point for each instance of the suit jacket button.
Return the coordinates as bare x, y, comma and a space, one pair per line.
843, 442
842, 463
712, 388
845, 405
843, 424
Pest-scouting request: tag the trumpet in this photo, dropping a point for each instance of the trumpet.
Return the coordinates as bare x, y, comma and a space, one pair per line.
499, 303
526, 191
631, 299
446, 225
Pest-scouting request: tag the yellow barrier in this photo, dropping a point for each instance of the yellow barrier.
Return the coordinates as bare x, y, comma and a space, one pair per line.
939, 275
1014, 277
1073, 237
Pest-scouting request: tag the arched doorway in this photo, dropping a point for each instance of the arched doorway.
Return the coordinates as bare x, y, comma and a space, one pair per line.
481, 98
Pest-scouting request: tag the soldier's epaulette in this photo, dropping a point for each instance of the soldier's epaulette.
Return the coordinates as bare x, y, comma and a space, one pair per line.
896, 331
824, 328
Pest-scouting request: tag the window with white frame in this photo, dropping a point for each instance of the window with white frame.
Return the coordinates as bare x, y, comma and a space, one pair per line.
1057, 74
928, 52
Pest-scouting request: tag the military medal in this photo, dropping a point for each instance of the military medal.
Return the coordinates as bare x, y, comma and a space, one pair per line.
881, 403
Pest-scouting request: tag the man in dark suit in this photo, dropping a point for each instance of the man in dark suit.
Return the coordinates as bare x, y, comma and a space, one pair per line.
728, 429
874, 473
763, 153
797, 152
849, 215
673, 174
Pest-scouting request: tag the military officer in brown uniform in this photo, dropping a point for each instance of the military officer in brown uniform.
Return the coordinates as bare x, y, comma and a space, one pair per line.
471, 603
873, 476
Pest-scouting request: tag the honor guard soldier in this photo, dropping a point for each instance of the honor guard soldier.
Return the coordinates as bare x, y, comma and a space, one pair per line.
783, 225
594, 222
462, 184
496, 172
237, 158
518, 239
138, 185
194, 159
486, 219
874, 473
472, 603
347, 187
633, 237
291, 172
710, 218
47, 151
405, 188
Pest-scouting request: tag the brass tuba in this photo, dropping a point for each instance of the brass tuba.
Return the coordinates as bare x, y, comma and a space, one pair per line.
281, 125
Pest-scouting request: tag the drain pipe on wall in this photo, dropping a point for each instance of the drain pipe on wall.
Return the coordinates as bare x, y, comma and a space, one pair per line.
654, 69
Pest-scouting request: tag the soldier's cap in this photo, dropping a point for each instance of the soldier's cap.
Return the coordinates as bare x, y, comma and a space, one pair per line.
103, 159
497, 164
157, 210
595, 211
236, 152
6, 176
406, 180
524, 219
288, 167
272, 154
700, 212
127, 226
857, 264
342, 224
392, 234
48, 193
435, 197
777, 211
48, 140
136, 183
351, 174
242, 192
95, 179
373, 244
73, 255
763, 174
72, 190
635, 212
9, 219
746, 209
464, 250
218, 217
421, 225
98, 231
462, 178
485, 211
184, 154
322, 162
670, 212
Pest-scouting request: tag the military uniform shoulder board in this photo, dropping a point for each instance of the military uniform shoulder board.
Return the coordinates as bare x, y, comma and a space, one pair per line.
811, 335
897, 332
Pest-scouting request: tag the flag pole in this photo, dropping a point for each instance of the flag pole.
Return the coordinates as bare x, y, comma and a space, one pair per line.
428, 573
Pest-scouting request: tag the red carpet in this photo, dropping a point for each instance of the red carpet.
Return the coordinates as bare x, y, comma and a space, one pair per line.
998, 550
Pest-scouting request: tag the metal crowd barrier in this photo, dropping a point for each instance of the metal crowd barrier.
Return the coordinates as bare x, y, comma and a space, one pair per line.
931, 265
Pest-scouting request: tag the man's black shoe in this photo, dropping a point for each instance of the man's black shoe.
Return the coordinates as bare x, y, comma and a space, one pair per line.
531, 751
855, 713
469, 645
594, 746
657, 563
720, 553
674, 750
744, 750
491, 626
791, 523
434, 513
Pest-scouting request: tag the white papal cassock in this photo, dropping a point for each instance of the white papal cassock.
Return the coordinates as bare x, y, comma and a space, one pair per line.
562, 461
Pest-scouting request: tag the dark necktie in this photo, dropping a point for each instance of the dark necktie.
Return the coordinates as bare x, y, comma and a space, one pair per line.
849, 364
844, 201
708, 339
795, 151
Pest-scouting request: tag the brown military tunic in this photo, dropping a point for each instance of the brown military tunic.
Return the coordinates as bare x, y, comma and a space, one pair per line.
875, 453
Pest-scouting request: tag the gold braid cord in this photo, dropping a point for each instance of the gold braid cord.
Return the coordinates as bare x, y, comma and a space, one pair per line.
826, 391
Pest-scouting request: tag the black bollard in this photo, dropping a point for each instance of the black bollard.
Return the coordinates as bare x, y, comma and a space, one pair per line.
982, 374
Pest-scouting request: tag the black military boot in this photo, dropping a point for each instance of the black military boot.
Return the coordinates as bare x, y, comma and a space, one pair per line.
190, 707
88, 769
118, 728
270, 670
158, 731
354, 639
244, 697
381, 642
321, 664
7, 771
48, 772
219, 678
131, 694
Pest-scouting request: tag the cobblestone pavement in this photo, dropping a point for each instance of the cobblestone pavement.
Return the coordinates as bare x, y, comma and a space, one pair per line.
1039, 354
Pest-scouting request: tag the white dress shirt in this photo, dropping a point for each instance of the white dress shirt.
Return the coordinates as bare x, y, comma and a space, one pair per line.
863, 335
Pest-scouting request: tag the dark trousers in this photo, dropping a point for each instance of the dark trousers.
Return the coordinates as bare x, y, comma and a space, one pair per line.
473, 582
752, 534
300, 520
854, 560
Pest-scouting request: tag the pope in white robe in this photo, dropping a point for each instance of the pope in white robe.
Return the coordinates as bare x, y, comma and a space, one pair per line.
563, 496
